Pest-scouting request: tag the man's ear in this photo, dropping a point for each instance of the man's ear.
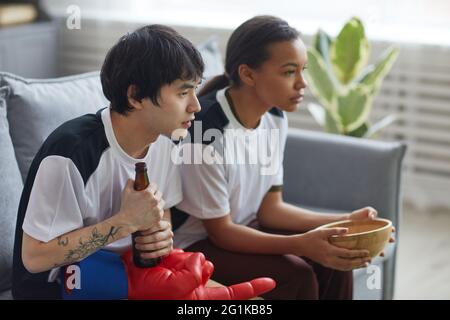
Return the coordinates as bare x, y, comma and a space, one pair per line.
246, 74
131, 97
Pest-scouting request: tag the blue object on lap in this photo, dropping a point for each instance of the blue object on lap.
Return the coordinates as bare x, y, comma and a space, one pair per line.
101, 276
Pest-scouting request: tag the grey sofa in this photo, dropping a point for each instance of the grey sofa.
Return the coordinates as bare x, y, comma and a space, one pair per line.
322, 171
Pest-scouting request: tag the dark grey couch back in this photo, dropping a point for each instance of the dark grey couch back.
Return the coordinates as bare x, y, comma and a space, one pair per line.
343, 173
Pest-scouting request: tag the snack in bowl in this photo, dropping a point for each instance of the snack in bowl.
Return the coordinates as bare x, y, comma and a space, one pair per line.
371, 235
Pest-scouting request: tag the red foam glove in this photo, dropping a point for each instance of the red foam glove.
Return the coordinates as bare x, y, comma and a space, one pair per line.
183, 276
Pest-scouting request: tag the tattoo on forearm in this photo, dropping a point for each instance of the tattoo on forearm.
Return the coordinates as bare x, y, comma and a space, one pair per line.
63, 242
96, 241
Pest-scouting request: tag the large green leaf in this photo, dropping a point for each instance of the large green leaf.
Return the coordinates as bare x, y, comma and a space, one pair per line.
332, 123
349, 53
325, 118
373, 74
322, 43
319, 79
359, 132
354, 107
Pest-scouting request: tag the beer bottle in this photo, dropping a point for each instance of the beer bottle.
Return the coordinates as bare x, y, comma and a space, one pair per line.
141, 182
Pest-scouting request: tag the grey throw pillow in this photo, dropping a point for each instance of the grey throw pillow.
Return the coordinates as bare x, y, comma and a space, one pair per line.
10, 191
37, 107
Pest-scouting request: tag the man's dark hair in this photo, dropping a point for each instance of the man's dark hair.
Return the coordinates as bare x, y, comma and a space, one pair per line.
149, 58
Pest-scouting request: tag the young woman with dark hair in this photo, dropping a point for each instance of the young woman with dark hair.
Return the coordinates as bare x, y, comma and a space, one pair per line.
234, 212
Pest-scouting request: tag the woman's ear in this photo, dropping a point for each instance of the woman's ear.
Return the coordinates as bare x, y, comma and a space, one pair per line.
131, 95
246, 74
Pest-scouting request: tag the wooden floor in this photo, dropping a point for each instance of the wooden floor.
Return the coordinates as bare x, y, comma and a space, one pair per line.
423, 265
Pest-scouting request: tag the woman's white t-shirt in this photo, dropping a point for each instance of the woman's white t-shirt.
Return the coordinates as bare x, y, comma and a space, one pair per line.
248, 163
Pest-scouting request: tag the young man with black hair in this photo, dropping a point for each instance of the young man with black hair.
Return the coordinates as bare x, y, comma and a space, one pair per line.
78, 199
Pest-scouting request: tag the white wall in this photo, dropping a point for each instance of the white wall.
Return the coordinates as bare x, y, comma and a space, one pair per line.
414, 21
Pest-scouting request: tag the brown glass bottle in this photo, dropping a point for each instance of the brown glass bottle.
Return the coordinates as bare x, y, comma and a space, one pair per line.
141, 182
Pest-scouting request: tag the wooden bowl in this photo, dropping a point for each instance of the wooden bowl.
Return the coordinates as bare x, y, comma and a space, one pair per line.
372, 235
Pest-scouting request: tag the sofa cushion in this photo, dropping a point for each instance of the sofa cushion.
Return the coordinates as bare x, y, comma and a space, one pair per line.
37, 107
10, 190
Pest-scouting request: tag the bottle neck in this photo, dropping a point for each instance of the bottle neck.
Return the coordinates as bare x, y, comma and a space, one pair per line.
141, 181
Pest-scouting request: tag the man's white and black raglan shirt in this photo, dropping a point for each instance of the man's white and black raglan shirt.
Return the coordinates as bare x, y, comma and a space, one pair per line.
76, 180
237, 185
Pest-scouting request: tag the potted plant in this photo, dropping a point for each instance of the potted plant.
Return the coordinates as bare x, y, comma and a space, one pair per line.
342, 81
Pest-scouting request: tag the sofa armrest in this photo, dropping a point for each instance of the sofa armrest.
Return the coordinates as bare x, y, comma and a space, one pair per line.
343, 173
